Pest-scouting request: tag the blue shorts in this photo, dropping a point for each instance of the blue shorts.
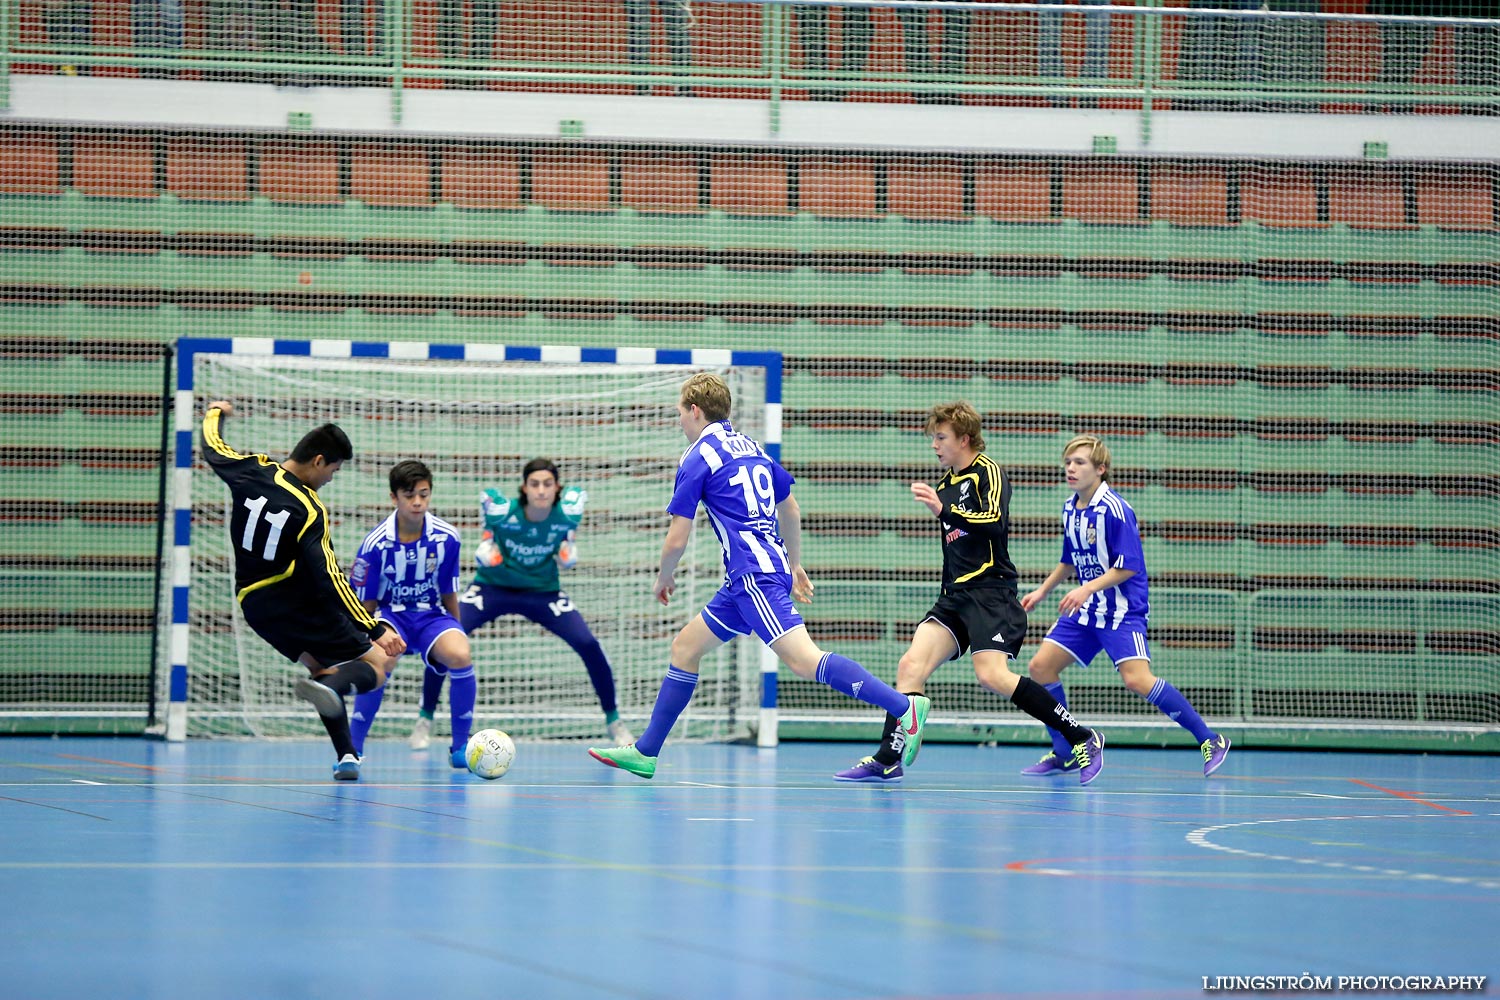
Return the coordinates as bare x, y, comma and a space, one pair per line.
757, 602
419, 629
1128, 642
553, 610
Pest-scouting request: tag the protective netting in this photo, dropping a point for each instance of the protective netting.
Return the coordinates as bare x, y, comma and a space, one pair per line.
1294, 359
611, 429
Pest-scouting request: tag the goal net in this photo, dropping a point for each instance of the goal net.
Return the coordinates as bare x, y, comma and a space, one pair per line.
611, 429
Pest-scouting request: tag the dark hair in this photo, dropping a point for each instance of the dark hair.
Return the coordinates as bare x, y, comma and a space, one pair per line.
540, 465
328, 441
406, 475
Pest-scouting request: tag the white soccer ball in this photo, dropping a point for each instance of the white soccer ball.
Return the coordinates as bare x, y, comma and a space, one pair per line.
490, 753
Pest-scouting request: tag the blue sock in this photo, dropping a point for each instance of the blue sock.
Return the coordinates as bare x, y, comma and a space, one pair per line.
432, 686
1059, 742
847, 677
365, 707
1170, 702
676, 691
463, 688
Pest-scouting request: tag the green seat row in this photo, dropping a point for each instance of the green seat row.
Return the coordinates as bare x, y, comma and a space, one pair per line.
1154, 504
1068, 238
714, 283
1246, 400
1346, 564
889, 339
1423, 456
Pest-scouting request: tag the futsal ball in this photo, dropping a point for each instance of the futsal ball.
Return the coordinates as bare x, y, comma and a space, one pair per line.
490, 753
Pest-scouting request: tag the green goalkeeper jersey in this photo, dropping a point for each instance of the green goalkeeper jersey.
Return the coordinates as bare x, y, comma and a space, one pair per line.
524, 554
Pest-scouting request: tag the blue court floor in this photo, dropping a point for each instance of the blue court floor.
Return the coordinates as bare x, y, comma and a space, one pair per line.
225, 870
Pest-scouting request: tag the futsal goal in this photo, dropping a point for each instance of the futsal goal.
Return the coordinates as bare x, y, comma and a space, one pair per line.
475, 414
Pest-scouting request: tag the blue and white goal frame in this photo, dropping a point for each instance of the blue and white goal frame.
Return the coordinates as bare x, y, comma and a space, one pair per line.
186, 428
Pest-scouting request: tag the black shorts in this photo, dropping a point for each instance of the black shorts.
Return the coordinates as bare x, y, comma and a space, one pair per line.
983, 619
292, 628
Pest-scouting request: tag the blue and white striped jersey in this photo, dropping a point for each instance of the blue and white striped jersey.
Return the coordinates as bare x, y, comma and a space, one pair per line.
1101, 536
739, 486
407, 576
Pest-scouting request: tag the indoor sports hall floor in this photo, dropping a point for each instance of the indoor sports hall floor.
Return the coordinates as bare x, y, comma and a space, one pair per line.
225, 870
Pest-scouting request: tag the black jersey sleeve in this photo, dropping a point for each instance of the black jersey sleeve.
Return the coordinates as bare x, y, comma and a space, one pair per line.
216, 452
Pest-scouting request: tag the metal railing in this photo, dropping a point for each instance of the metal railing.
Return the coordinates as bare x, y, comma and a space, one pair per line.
1140, 58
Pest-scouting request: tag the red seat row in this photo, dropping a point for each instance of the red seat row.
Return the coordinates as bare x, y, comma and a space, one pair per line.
757, 183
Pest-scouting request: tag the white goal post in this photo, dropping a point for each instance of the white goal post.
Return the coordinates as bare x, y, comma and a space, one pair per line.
475, 413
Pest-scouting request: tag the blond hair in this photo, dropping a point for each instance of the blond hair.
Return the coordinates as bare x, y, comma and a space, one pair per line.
1098, 452
962, 417
710, 393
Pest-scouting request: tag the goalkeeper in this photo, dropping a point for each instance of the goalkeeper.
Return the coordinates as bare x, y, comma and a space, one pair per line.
526, 539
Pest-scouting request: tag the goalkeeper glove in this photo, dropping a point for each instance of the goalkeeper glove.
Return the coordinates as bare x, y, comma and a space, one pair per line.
489, 553
567, 552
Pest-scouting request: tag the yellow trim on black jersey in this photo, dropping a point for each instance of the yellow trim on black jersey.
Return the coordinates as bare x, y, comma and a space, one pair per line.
991, 512
969, 576
353, 604
213, 439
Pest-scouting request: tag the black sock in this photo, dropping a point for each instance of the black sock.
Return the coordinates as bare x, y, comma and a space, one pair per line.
1033, 699
890, 749
351, 675
338, 731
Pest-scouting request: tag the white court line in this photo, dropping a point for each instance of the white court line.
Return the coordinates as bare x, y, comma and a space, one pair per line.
1199, 838
1029, 791
720, 819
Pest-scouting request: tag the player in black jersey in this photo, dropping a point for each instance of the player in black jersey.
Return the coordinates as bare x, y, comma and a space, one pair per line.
287, 579
978, 609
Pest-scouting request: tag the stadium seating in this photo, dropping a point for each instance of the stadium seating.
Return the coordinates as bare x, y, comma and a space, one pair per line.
1289, 359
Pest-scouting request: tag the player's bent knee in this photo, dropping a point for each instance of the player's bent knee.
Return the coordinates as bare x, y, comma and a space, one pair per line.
684, 652
452, 651
997, 678
1043, 673
802, 666
912, 672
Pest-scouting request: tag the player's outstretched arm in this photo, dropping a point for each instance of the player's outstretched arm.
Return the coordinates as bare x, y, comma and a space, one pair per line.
678, 533
389, 642
216, 451
789, 521
1079, 596
924, 494
1031, 600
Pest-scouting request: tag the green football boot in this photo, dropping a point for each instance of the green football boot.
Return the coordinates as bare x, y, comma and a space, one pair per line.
626, 758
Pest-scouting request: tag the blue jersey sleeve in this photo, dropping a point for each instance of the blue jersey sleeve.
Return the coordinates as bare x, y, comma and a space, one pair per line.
687, 491
448, 571
367, 572
781, 481
1123, 537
